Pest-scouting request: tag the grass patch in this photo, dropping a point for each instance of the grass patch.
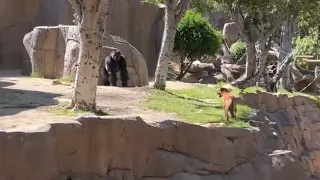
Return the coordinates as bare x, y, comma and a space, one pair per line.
60, 110
200, 104
67, 79
36, 75
64, 80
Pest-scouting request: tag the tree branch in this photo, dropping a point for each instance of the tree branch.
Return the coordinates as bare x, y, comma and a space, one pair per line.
101, 8
77, 6
273, 28
282, 67
181, 9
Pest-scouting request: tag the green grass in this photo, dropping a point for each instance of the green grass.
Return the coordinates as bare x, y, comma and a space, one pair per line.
36, 75
60, 110
200, 104
67, 79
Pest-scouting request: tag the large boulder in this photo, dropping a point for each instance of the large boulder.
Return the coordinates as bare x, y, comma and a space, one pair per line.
218, 19
230, 31
54, 51
46, 47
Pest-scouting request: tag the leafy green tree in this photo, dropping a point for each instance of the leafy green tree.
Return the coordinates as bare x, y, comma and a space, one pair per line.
195, 38
257, 21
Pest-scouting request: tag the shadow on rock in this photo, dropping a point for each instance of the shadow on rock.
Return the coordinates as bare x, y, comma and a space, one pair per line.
13, 101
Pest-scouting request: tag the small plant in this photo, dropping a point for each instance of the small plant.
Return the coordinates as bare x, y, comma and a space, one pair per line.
67, 79
62, 111
36, 75
238, 49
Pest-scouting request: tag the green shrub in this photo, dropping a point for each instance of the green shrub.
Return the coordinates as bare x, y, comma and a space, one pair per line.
238, 49
196, 37
304, 46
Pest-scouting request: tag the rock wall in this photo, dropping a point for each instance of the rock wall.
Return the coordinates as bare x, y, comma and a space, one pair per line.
290, 123
133, 21
127, 148
53, 52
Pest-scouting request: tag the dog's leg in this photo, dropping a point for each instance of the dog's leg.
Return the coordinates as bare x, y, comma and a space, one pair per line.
226, 112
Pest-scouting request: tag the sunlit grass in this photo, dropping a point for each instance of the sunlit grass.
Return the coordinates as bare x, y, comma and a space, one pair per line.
200, 104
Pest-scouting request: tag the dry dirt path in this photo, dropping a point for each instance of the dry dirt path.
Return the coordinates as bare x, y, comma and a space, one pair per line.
25, 101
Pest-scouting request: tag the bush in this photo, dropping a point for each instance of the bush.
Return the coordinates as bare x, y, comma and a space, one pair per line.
304, 46
196, 37
238, 49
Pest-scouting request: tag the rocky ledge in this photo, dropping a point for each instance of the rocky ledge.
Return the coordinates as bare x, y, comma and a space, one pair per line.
127, 148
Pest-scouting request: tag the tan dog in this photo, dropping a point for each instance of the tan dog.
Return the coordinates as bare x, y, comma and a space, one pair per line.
229, 104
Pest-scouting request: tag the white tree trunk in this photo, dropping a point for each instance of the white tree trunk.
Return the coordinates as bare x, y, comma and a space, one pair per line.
90, 16
166, 50
175, 10
287, 33
84, 94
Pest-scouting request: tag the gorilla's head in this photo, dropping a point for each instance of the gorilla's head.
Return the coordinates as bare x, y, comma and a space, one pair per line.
116, 55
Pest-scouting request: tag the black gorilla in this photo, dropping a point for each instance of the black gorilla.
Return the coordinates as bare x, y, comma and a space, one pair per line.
112, 64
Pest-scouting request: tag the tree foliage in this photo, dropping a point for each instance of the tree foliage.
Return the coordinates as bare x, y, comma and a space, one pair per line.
196, 37
305, 45
201, 6
238, 49
257, 22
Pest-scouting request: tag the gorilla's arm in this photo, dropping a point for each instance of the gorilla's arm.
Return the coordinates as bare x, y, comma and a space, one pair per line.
111, 67
123, 71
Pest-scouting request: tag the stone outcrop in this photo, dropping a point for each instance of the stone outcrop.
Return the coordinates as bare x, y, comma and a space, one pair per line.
230, 31
290, 123
53, 53
218, 19
118, 148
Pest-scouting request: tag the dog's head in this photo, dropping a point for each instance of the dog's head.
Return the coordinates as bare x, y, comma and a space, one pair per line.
222, 91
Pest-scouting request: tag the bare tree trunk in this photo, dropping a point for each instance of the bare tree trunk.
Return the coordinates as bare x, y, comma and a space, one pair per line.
253, 72
166, 50
90, 17
175, 10
287, 33
184, 71
84, 94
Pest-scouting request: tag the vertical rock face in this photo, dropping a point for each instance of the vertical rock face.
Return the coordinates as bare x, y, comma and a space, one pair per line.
290, 123
53, 52
126, 148
46, 48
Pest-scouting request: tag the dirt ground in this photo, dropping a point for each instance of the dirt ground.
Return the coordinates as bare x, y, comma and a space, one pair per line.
25, 101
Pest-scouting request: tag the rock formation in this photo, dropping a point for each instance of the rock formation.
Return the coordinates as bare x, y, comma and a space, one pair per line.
230, 31
53, 53
127, 148
290, 123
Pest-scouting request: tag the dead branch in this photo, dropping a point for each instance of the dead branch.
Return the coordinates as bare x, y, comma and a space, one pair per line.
182, 10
